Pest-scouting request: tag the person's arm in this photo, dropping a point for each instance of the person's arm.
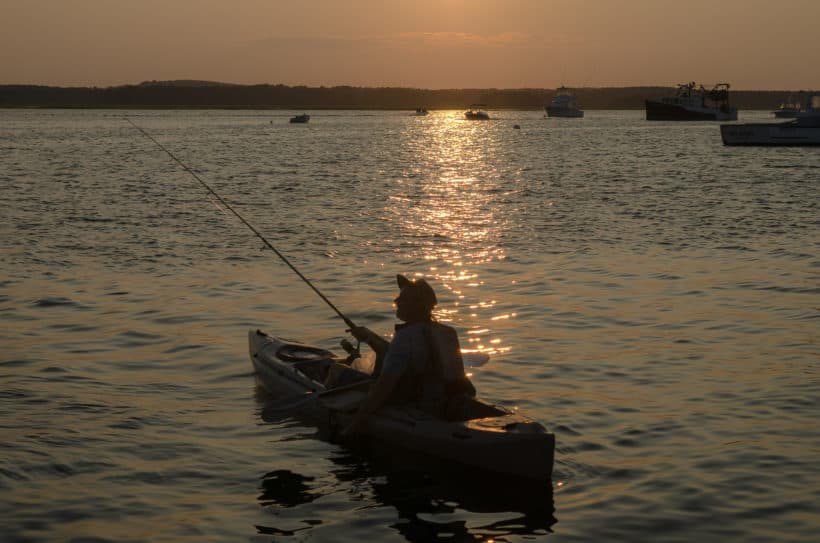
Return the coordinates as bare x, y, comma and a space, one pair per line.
376, 342
381, 391
395, 365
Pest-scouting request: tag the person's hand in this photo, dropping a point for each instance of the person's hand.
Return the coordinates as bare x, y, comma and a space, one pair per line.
361, 333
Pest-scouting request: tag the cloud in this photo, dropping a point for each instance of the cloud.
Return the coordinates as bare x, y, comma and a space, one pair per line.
404, 40
309, 42
465, 38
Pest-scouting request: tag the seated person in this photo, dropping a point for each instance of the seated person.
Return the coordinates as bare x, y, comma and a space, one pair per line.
421, 365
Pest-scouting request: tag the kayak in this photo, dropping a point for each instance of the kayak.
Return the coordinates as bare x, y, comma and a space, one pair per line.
487, 437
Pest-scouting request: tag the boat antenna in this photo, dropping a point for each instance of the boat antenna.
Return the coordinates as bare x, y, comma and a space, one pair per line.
246, 223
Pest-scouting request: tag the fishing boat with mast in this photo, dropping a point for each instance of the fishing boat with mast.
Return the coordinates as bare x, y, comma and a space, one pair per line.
692, 103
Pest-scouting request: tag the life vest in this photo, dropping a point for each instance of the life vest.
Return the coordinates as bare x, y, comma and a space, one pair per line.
442, 378
445, 360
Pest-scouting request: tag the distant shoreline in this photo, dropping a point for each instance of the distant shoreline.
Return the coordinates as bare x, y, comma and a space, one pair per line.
294, 108
290, 110
194, 95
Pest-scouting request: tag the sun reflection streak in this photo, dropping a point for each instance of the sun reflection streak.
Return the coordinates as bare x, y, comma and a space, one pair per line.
444, 207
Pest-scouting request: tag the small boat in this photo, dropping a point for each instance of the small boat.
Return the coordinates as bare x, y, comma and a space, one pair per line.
303, 118
693, 104
788, 110
488, 438
801, 131
420, 112
563, 104
477, 113
793, 109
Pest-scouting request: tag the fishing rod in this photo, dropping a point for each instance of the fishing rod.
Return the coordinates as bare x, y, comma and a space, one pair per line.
246, 223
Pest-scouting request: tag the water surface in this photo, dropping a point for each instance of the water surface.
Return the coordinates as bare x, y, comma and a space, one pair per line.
648, 294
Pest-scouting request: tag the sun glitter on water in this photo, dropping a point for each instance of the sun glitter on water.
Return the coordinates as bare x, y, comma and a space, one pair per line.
451, 216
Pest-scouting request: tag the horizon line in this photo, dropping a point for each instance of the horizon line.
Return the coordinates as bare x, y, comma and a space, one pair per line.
210, 83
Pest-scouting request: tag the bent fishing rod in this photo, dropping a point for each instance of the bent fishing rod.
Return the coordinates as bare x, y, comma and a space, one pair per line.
246, 223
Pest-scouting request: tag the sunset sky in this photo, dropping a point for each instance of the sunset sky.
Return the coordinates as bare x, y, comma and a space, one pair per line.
752, 44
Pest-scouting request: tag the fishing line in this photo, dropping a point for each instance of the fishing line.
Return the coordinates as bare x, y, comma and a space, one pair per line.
246, 223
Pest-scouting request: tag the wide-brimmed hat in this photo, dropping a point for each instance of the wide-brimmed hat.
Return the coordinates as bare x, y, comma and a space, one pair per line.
419, 289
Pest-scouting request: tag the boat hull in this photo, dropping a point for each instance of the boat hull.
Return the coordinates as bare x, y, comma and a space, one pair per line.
661, 111
770, 134
565, 113
495, 440
786, 113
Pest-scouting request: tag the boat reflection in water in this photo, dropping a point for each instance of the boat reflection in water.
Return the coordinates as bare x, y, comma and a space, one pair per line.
430, 506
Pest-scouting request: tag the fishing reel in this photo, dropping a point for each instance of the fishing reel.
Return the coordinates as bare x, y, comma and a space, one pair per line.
352, 352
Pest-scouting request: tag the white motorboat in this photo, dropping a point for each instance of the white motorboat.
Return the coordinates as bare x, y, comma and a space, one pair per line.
477, 113
794, 108
788, 110
563, 104
801, 131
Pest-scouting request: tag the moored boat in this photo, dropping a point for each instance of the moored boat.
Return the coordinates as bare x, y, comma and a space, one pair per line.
477, 113
788, 110
487, 437
563, 104
301, 119
421, 112
693, 104
793, 108
801, 131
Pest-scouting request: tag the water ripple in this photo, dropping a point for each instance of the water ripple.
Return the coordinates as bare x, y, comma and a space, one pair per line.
655, 307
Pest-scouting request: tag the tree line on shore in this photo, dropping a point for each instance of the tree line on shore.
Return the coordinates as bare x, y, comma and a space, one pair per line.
198, 94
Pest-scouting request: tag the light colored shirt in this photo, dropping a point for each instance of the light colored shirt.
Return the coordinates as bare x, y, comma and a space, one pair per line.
421, 381
407, 351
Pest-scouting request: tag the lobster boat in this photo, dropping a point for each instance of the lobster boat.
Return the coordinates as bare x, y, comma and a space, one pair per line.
690, 103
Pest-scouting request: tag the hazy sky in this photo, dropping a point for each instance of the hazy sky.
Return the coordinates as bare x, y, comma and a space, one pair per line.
752, 44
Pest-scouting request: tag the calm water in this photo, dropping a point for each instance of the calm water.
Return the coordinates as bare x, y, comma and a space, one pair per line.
649, 295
